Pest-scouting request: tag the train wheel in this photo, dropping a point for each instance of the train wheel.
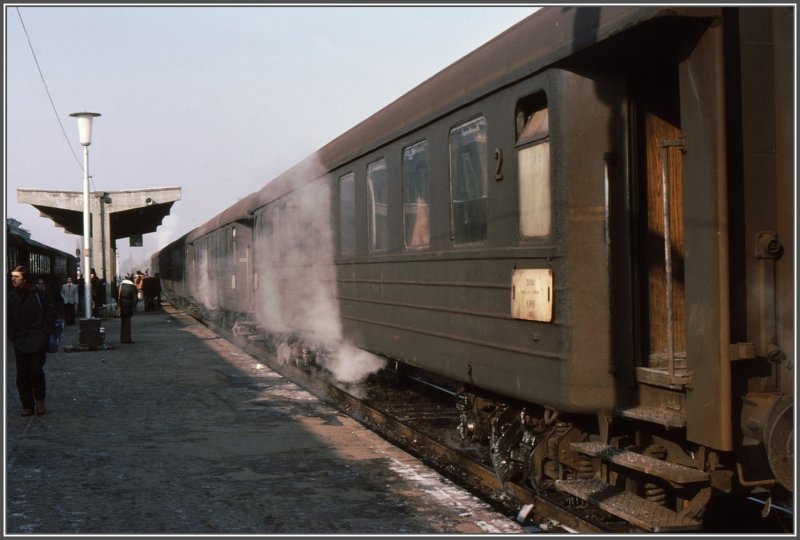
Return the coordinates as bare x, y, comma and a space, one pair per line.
505, 441
779, 443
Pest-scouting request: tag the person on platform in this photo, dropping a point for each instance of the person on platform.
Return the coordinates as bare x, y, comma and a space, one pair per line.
127, 305
138, 280
98, 294
42, 286
69, 294
81, 281
30, 315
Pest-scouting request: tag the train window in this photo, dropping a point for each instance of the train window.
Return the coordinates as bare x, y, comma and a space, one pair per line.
468, 185
38, 263
347, 214
377, 206
533, 161
233, 242
277, 227
291, 235
416, 210
13, 257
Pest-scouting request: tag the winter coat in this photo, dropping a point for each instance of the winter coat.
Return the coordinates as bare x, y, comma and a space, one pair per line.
30, 319
127, 298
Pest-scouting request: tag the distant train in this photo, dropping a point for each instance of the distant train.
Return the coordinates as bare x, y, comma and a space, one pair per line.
43, 262
585, 226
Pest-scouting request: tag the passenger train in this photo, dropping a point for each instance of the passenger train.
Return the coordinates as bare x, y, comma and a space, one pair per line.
585, 227
44, 262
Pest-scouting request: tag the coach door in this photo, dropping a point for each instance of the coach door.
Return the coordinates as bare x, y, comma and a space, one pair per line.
661, 227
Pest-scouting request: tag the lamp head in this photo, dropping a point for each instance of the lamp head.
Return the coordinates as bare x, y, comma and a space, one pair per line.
85, 126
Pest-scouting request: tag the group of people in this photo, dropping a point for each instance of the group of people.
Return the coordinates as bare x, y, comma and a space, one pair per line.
73, 296
31, 314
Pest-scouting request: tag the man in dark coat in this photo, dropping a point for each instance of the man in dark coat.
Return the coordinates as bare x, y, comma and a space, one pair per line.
98, 293
30, 318
127, 305
81, 281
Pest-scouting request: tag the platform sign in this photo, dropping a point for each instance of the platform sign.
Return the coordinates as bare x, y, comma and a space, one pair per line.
136, 240
532, 294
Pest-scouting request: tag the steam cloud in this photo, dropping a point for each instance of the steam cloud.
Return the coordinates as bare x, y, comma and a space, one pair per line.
296, 280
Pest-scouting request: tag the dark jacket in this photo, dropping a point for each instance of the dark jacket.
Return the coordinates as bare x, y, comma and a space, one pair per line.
127, 298
98, 292
30, 319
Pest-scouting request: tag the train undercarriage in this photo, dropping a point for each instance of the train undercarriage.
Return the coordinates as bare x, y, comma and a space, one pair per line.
641, 473
638, 472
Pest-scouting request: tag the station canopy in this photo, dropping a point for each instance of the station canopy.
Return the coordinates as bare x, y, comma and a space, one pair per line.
129, 212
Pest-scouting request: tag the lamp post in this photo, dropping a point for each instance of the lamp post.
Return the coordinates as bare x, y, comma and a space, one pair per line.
85, 135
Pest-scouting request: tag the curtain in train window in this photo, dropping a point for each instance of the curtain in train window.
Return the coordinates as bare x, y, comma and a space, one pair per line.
233, 243
347, 214
233, 257
468, 184
416, 209
533, 158
377, 206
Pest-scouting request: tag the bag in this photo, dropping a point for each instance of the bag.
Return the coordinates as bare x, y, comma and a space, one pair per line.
54, 339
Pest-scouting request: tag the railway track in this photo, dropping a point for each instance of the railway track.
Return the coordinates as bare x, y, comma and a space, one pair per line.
421, 418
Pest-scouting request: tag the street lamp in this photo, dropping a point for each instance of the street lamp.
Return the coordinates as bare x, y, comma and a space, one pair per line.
85, 135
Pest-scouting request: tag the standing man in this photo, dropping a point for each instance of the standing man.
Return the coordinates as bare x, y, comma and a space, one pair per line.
127, 305
98, 290
81, 287
69, 294
138, 280
29, 317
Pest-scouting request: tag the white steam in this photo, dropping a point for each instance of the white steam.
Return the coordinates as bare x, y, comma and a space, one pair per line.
350, 364
205, 291
296, 280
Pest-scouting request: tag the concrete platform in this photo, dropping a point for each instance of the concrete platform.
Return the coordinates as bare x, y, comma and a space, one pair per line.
183, 433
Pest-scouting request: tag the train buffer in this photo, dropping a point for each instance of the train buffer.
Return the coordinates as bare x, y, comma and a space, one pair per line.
643, 513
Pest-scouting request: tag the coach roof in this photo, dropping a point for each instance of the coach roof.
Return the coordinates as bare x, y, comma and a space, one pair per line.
549, 35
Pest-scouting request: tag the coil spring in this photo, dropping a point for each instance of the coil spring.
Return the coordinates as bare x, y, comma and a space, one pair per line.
655, 493
585, 467
572, 501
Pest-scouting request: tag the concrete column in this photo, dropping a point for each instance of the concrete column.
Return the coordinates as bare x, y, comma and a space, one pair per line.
102, 246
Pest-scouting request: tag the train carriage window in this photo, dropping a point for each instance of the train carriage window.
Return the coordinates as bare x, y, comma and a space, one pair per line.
378, 206
279, 227
347, 214
533, 158
12, 257
468, 184
276, 227
416, 210
293, 231
233, 242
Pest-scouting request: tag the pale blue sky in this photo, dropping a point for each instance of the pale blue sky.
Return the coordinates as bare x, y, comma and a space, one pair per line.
216, 100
